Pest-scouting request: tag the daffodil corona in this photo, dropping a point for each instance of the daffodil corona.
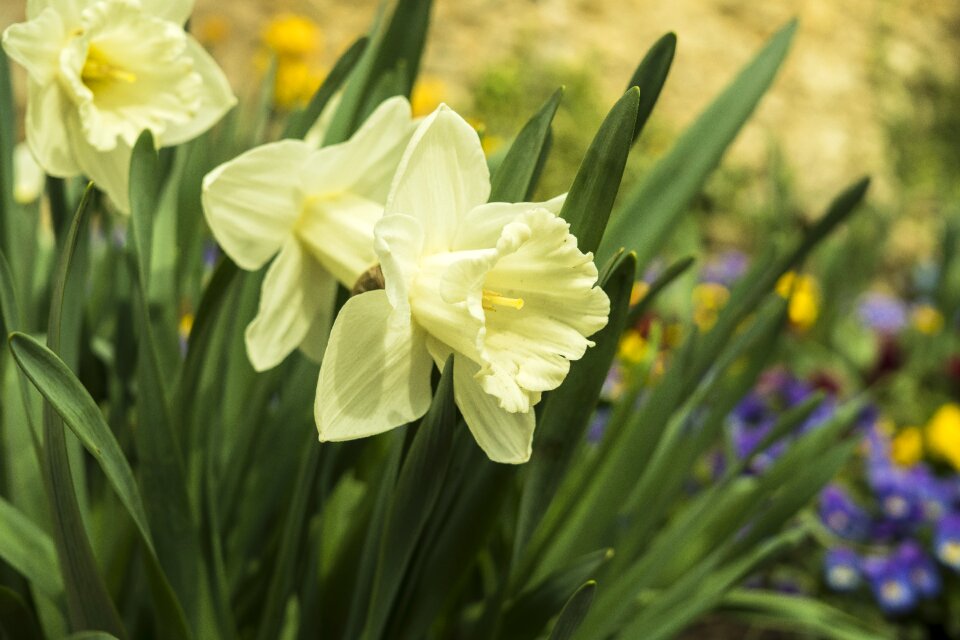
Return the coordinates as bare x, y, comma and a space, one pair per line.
103, 71
500, 286
315, 210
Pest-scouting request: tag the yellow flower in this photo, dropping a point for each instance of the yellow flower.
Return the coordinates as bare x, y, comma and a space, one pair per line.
427, 95
927, 319
185, 325
633, 347
708, 299
640, 289
943, 434
212, 30
906, 449
290, 35
804, 295
295, 83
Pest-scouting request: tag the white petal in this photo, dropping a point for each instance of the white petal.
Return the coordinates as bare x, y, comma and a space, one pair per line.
69, 10
46, 126
318, 130
442, 176
252, 202
338, 231
504, 437
216, 97
376, 373
28, 176
36, 45
293, 290
481, 227
530, 349
372, 154
398, 243
177, 11
109, 170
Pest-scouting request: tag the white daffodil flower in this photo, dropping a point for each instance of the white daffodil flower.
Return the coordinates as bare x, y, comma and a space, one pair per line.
315, 210
501, 286
103, 71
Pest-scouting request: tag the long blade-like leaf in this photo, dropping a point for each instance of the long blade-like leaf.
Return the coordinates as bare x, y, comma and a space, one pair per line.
594, 190
514, 179
650, 211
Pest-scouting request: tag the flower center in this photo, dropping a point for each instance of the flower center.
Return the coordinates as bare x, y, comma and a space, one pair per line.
98, 69
492, 299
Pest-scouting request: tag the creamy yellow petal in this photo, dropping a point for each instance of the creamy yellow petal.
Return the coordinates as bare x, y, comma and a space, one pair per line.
442, 176
253, 201
503, 436
36, 45
294, 289
215, 98
375, 374
176, 11
46, 126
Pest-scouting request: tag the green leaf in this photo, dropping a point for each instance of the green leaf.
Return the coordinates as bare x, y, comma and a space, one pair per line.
574, 612
162, 473
526, 616
16, 620
90, 635
594, 190
67, 395
650, 77
291, 544
18, 224
28, 549
88, 602
800, 614
650, 210
566, 411
11, 320
418, 486
514, 179
300, 122
395, 47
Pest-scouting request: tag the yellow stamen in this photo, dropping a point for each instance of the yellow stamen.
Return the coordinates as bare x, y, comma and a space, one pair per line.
97, 69
491, 299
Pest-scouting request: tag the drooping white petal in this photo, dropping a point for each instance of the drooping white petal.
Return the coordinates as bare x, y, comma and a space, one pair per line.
372, 154
109, 170
176, 11
252, 202
338, 230
215, 96
36, 44
398, 243
481, 227
375, 374
293, 291
442, 176
46, 127
503, 436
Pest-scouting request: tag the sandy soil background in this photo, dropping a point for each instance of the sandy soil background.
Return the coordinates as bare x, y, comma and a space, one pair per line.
844, 79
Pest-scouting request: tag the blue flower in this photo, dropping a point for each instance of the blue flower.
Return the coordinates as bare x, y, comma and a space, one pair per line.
598, 424
889, 579
725, 269
882, 312
947, 541
842, 515
842, 569
920, 568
